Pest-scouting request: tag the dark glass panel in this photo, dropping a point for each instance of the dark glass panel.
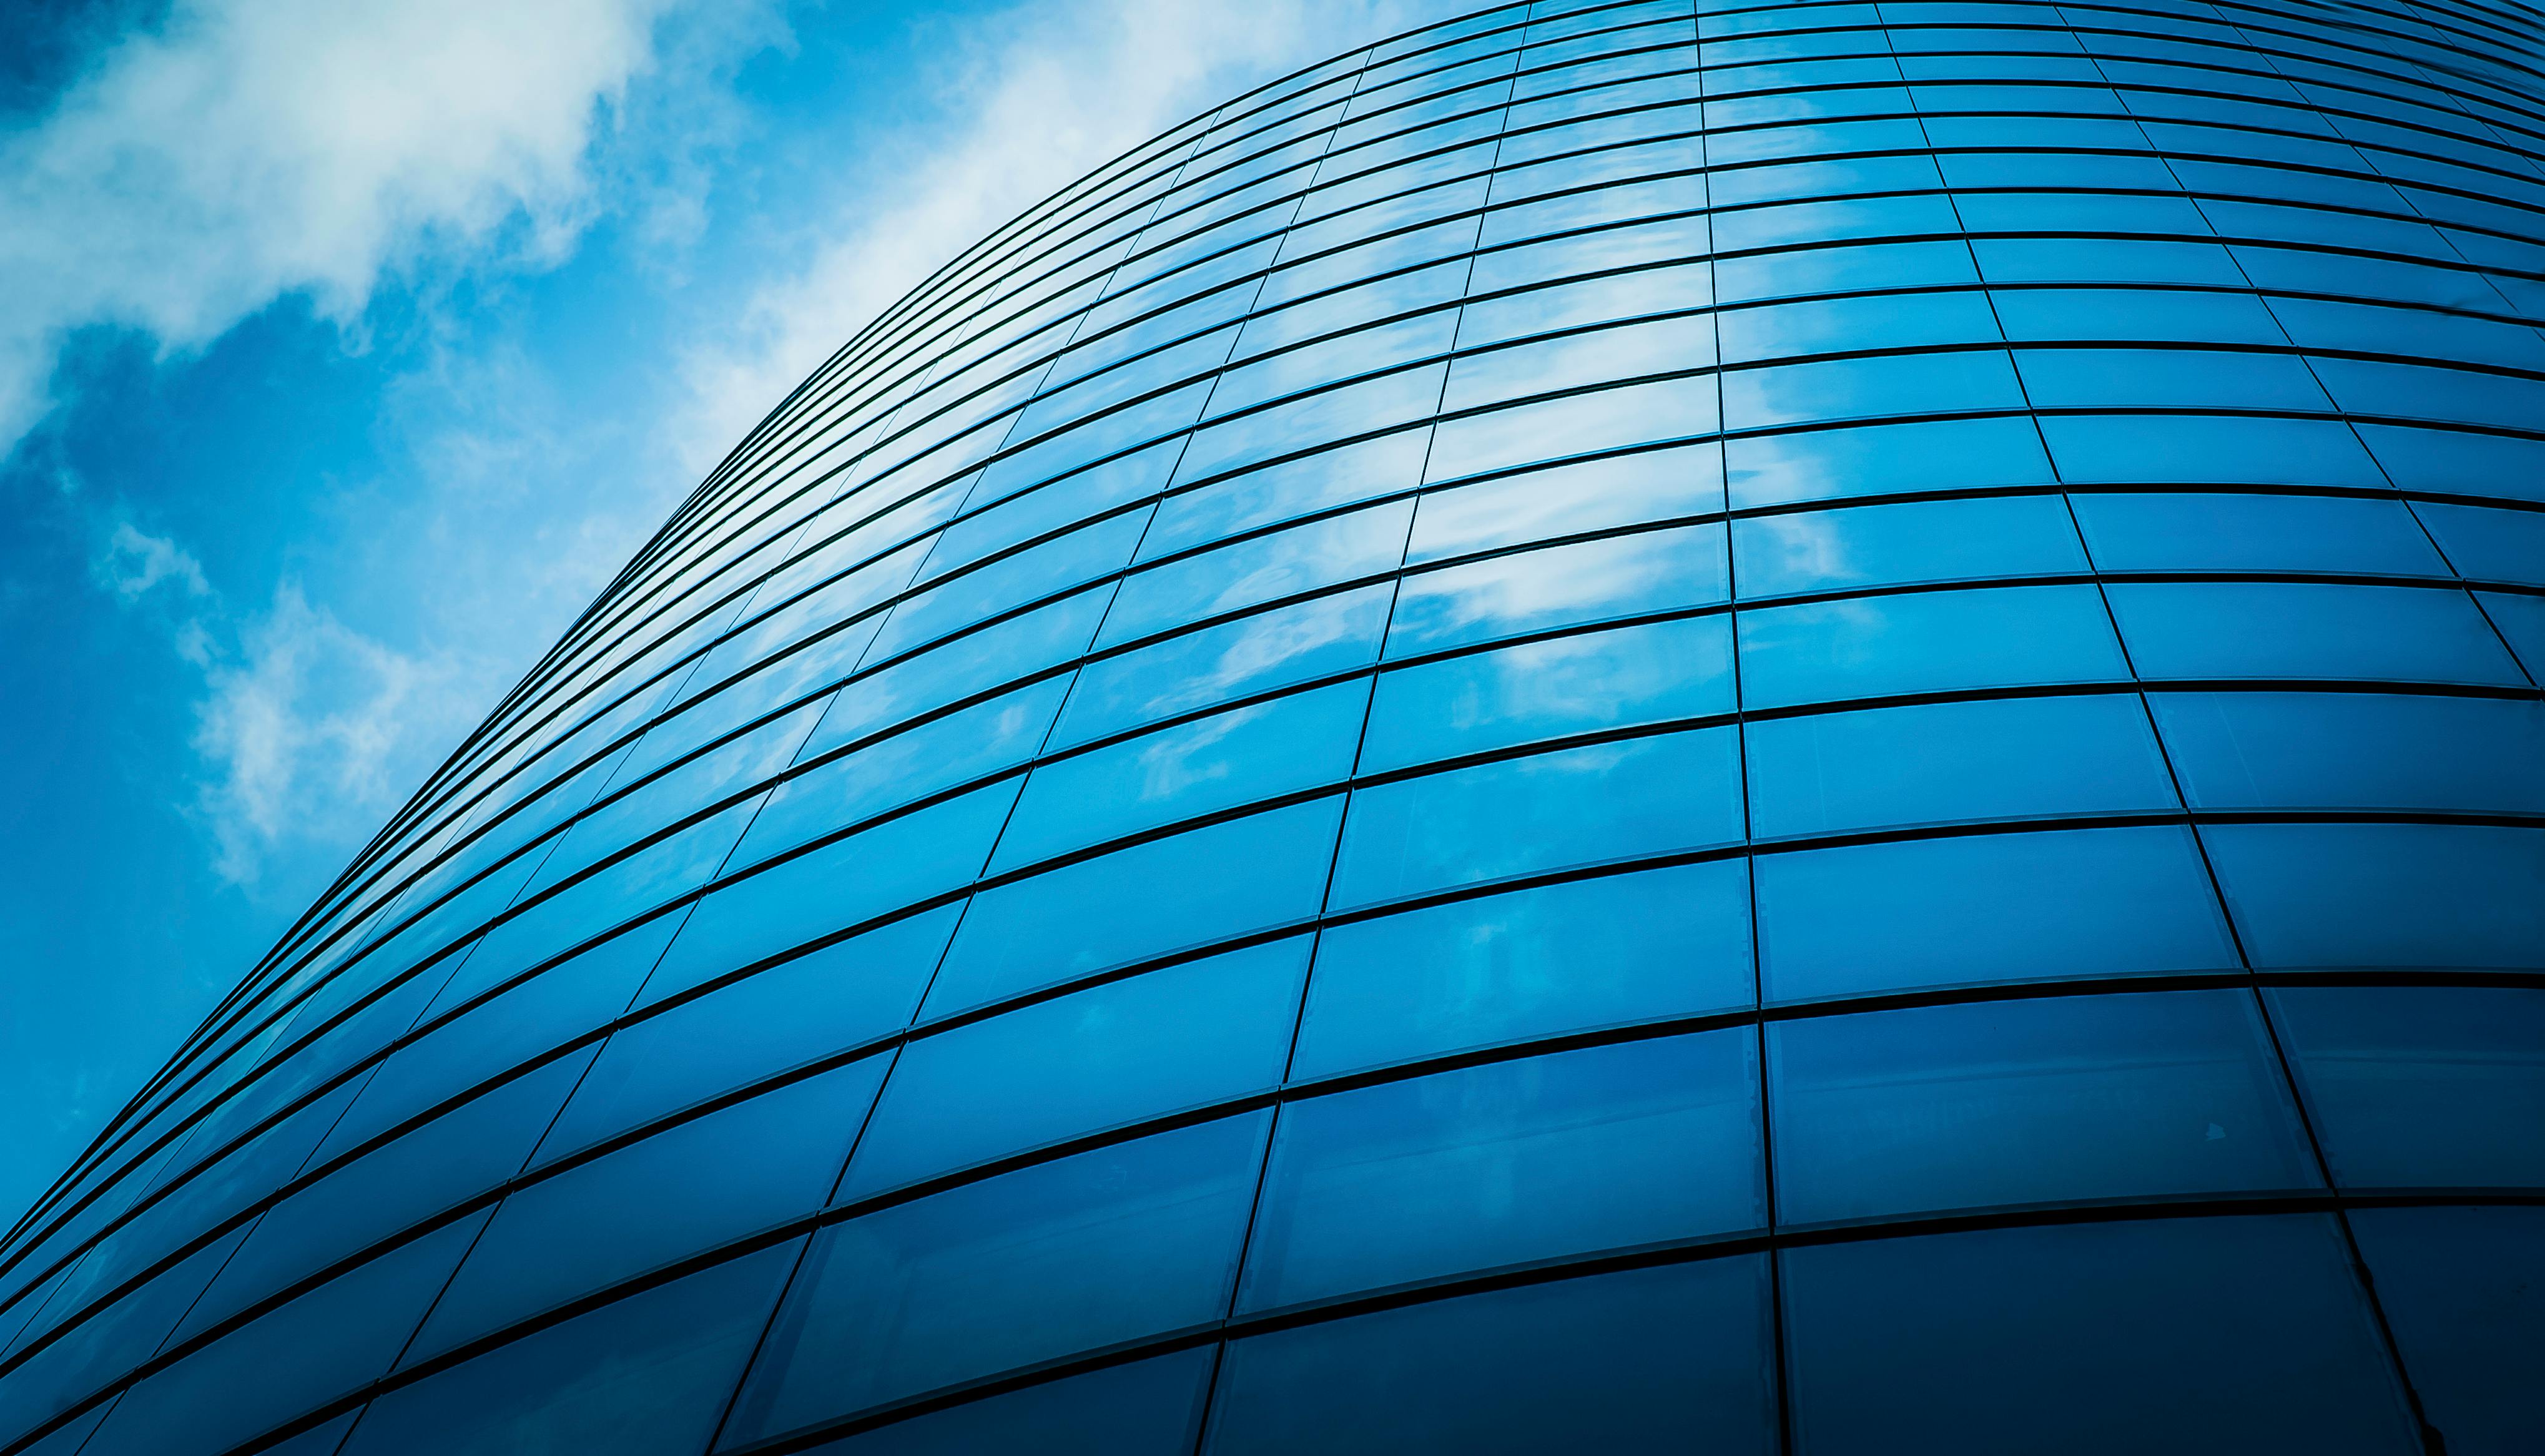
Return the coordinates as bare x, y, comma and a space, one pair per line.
2028, 1101
1985, 908
2231, 1335
1668, 1360
2464, 1290
1128, 1241
647, 1376
1499, 968
2421, 1086
1411, 1181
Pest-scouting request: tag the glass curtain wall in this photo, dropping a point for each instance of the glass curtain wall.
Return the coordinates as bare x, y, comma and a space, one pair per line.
1801, 728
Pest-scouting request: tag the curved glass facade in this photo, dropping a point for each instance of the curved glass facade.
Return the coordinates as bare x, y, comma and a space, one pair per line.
1626, 728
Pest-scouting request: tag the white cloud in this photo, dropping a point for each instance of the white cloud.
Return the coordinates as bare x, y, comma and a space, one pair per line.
306, 731
132, 563
1060, 90
303, 728
248, 149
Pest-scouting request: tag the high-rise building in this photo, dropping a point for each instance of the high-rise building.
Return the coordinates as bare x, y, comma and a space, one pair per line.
1804, 728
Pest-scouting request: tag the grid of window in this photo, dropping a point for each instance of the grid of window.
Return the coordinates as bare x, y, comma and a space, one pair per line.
1609, 727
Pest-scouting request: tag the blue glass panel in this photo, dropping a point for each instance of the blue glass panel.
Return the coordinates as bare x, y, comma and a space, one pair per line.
1108, 1245
714, 1179
2224, 1335
2129, 449
1560, 587
291, 1359
1155, 1043
1260, 569
1926, 642
1922, 541
2520, 621
1244, 875
1551, 688
1147, 1408
1608, 419
1541, 962
458, 1155
1651, 1361
2196, 530
1884, 459
1227, 760
1548, 811
965, 745
793, 1013
996, 654
84, 1358
2421, 1086
1269, 650
1408, 1180
1953, 762
647, 1376
1985, 908
2355, 751
1261, 498
2464, 1291
2286, 629
871, 872
2383, 894
1645, 486
2488, 544
2028, 1101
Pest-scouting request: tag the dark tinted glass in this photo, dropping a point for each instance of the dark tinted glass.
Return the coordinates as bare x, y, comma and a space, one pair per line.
2188, 1335
1664, 1359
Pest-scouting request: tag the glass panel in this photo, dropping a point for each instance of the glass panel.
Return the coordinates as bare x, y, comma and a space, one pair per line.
1674, 792
713, 1178
2028, 1101
1560, 587
2284, 629
1148, 1407
1919, 541
1567, 958
291, 1359
2355, 751
1271, 649
2383, 894
459, 1154
2421, 1086
1953, 762
1985, 908
1247, 874
1675, 1358
1221, 761
1155, 1043
795, 1011
1125, 1242
2464, 1290
1575, 498
647, 1376
1884, 459
2199, 531
1409, 1181
871, 872
1926, 642
2226, 1336
1582, 683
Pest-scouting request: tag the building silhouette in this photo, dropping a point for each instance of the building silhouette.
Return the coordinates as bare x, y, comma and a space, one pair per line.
1803, 728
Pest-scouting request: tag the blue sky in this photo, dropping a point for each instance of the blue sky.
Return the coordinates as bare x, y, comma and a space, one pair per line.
345, 351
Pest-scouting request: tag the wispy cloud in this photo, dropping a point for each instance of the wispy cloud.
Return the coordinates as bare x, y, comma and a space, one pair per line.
243, 150
300, 725
132, 563
305, 729
1029, 100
